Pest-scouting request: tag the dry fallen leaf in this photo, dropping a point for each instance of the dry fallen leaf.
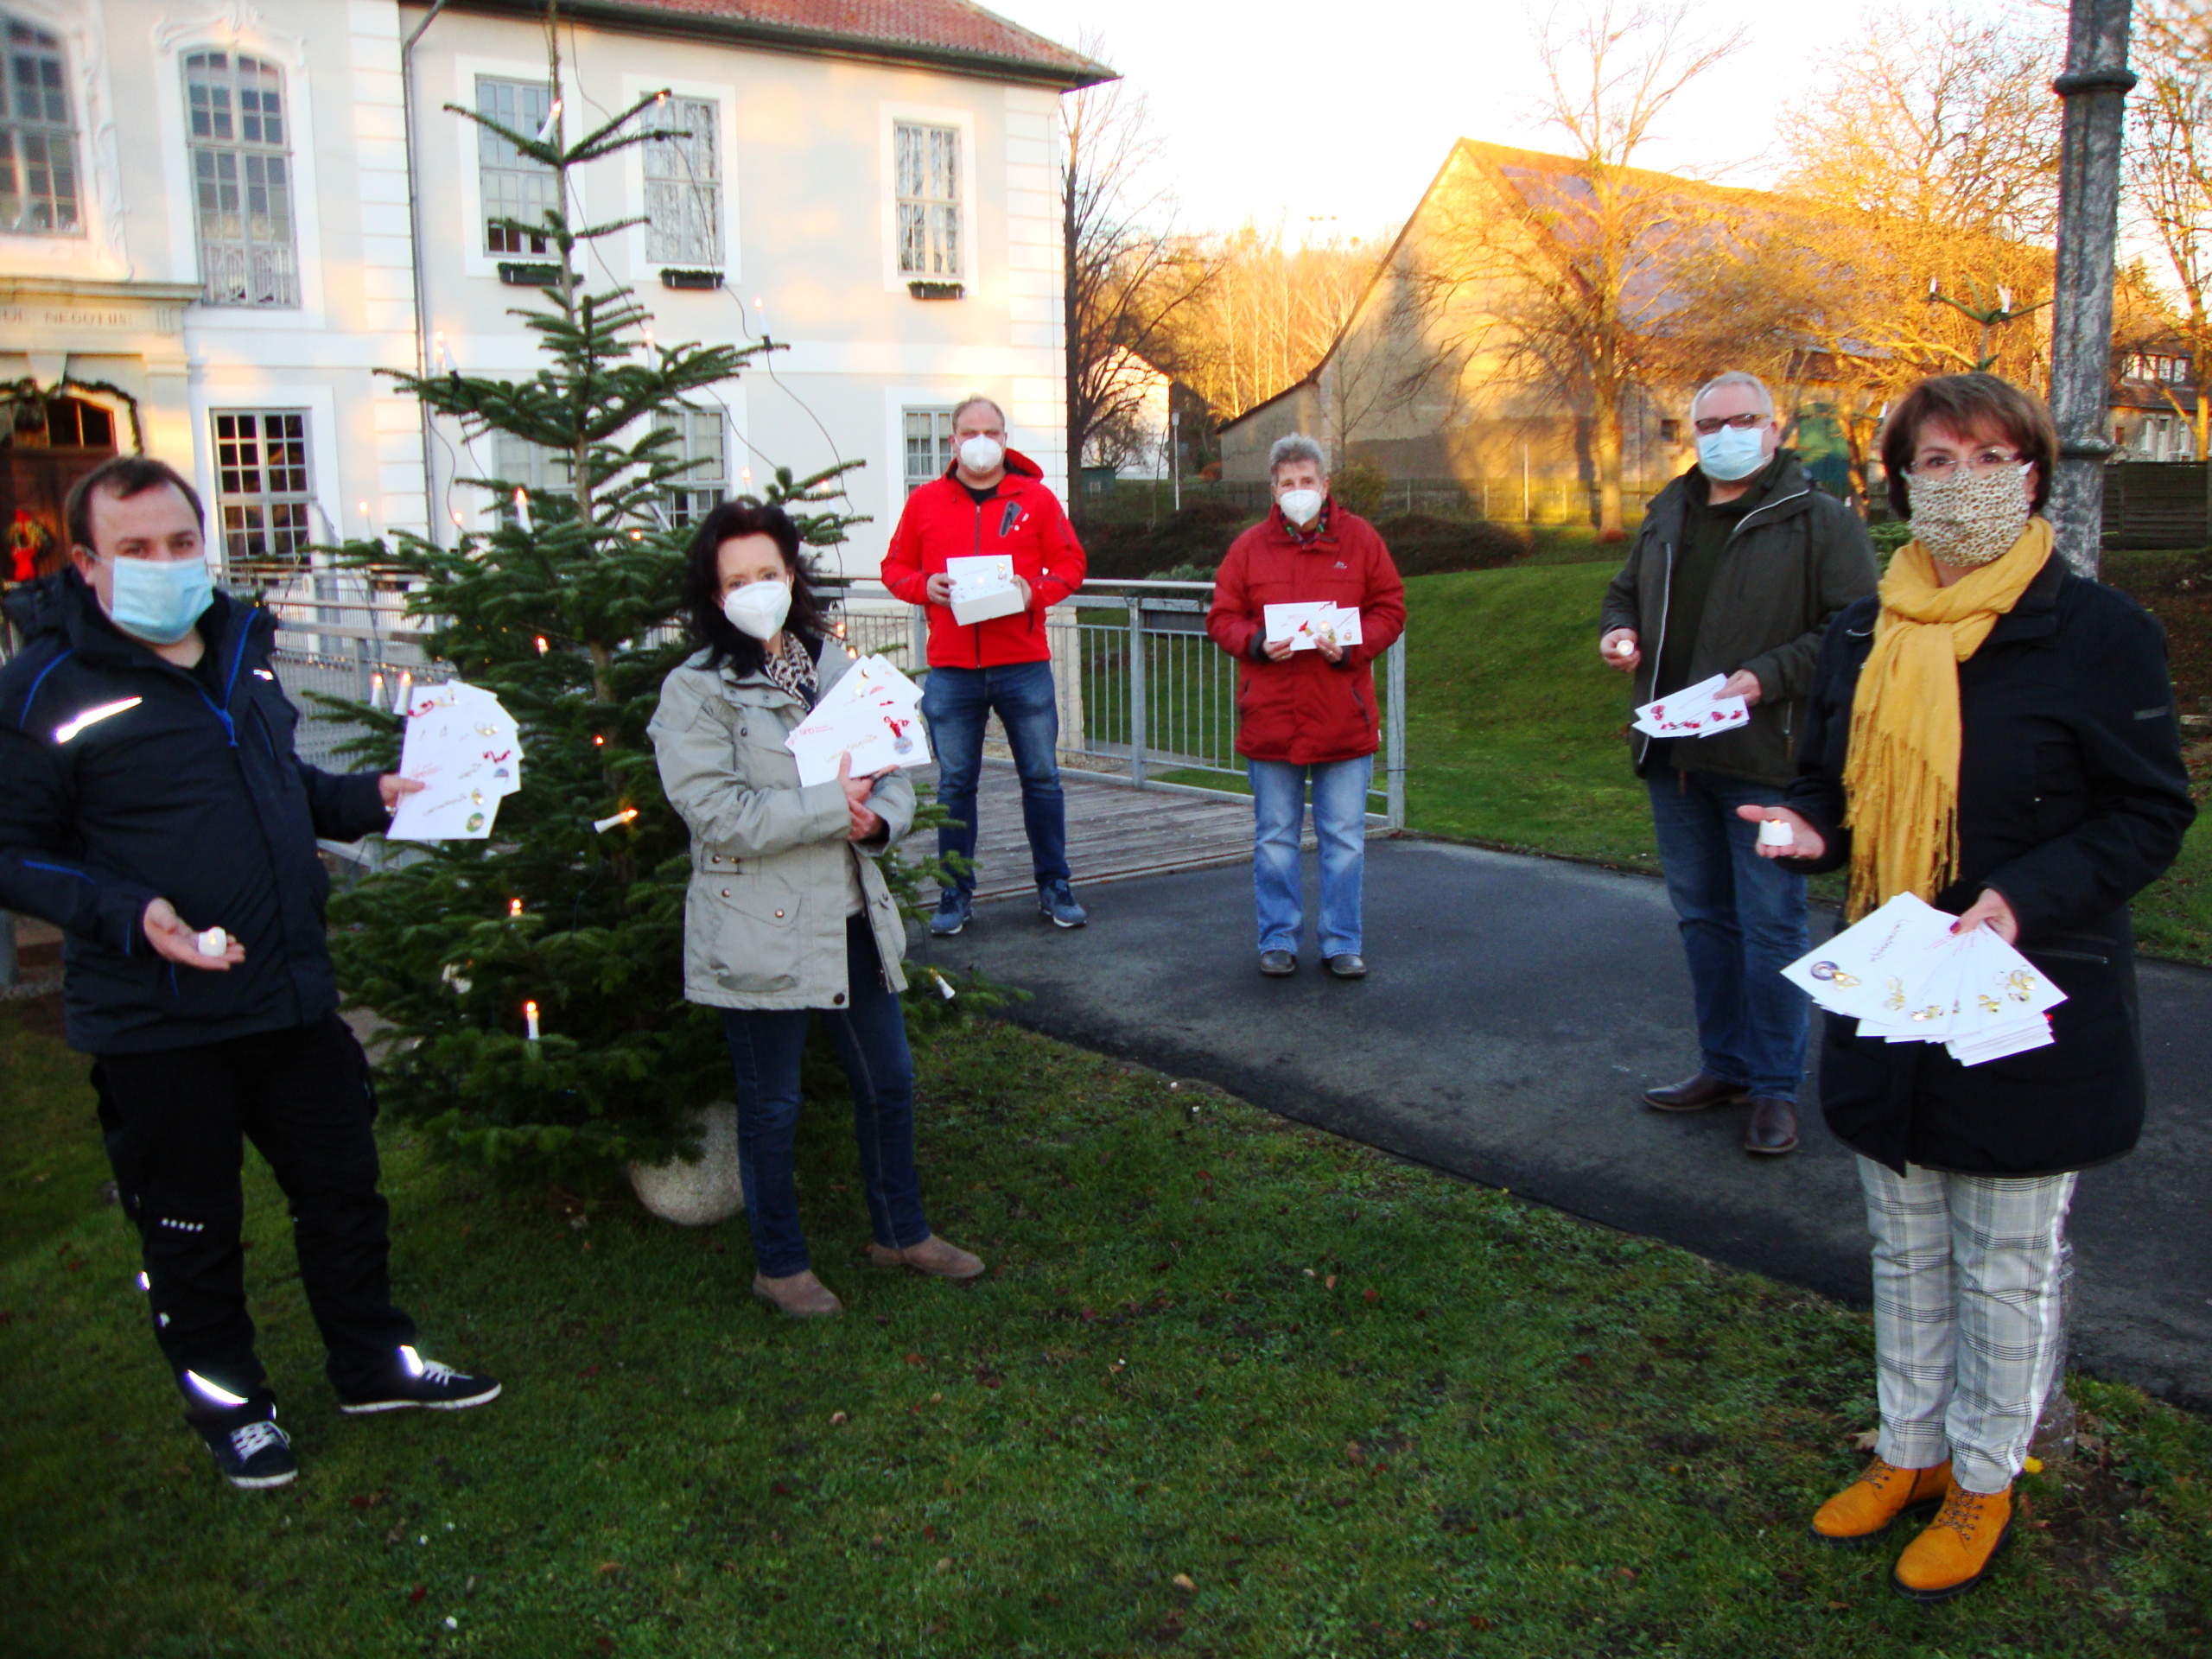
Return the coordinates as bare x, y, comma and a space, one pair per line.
1184, 1582
1329, 1283
945, 1563
838, 1419
1867, 1440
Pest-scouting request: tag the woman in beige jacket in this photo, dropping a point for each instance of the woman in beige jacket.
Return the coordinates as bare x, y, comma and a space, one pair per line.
788, 915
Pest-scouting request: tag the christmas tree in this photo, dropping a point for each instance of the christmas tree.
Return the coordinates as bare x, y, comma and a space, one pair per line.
568, 610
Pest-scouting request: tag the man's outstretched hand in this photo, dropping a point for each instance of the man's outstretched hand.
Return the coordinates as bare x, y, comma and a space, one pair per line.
171, 937
392, 786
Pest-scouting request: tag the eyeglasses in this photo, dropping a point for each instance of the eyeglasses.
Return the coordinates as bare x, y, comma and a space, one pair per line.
1709, 424
1982, 461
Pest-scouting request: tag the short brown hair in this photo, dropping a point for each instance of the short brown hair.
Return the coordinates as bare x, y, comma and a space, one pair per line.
123, 477
1966, 402
974, 398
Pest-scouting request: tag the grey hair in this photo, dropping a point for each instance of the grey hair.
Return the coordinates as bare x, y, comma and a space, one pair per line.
1734, 377
974, 398
1296, 446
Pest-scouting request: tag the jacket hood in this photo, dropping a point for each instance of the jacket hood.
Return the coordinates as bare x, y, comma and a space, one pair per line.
75, 612
39, 607
1017, 463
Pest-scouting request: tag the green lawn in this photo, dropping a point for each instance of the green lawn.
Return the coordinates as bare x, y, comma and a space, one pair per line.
1232, 1388
1515, 735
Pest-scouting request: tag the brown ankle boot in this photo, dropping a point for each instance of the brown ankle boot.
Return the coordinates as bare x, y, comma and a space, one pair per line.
800, 1295
1953, 1554
932, 1256
1866, 1508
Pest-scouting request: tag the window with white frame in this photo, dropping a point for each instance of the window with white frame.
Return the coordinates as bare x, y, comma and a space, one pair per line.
38, 137
537, 468
929, 445
928, 160
512, 185
683, 183
262, 496
241, 179
700, 440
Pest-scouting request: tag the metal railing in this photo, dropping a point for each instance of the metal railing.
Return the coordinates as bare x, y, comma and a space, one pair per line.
1144, 692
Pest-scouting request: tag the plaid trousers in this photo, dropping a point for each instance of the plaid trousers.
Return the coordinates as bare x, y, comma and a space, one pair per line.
1965, 1314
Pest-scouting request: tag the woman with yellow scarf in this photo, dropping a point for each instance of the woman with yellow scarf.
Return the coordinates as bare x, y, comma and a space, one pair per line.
1997, 735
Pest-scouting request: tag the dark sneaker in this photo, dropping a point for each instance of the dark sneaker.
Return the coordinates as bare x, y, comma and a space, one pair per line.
416, 1381
1055, 902
954, 910
252, 1455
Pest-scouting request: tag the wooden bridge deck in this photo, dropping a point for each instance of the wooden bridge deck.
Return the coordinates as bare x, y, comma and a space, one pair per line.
1115, 831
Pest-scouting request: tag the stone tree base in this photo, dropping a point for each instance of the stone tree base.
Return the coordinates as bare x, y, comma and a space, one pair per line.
696, 1195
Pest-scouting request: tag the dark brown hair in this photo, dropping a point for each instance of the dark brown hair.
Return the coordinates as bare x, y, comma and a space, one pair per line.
122, 477
1968, 403
703, 584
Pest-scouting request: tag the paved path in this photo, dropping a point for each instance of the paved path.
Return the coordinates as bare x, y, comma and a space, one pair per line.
1515, 1009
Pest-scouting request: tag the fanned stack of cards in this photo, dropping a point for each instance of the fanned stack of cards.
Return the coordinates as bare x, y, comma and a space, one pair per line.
1907, 978
1697, 710
1305, 625
873, 715
465, 750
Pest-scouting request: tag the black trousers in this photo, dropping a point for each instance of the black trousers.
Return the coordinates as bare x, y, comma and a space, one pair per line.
176, 1124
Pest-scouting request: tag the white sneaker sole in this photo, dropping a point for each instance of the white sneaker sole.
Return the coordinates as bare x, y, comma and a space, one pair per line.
262, 1483
370, 1407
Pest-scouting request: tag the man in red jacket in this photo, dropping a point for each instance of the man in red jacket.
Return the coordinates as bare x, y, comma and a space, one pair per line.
1307, 712
993, 501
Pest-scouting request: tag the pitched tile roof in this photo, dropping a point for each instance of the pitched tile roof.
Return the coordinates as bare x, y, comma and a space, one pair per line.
941, 31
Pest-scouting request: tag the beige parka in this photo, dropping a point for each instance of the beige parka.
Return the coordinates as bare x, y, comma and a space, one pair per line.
764, 922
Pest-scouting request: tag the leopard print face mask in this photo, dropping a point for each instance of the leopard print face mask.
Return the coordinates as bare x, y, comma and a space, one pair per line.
1970, 518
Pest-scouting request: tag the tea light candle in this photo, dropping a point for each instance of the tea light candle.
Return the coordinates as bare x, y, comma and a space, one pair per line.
1623, 647
213, 942
1773, 832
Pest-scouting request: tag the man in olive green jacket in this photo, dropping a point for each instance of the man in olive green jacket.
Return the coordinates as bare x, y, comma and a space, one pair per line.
1738, 568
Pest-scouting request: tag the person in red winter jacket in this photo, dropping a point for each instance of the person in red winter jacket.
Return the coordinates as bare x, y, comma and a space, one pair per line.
1307, 713
992, 500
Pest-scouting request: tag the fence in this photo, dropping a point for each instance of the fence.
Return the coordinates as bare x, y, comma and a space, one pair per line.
1503, 499
1144, 692
2156, 504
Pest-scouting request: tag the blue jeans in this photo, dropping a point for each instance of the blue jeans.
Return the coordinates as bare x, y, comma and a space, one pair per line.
870, 1039
1743, 922
1340, 827
958, 701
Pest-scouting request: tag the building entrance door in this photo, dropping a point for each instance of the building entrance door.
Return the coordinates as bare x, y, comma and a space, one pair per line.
54, 441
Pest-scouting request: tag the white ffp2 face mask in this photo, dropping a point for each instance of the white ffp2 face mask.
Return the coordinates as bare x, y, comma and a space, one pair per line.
758, 609
981, 454
1301, 507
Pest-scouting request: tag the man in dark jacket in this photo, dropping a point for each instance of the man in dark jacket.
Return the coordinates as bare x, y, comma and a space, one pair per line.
152, 808
991, 501
1308, 715
1739, 566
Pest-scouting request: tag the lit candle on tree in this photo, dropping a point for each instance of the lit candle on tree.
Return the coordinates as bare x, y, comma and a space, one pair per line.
529, 1018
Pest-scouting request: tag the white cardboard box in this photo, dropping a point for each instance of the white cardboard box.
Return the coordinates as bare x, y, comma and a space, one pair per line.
967, 609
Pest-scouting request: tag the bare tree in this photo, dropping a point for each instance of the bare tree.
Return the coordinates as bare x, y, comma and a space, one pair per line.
2170, 179
1565, 278
1922, 170
1126, 275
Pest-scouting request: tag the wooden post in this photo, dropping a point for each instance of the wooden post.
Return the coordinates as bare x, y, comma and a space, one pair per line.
2095, 89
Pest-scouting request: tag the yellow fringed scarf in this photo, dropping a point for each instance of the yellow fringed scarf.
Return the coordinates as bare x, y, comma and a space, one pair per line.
1901, 782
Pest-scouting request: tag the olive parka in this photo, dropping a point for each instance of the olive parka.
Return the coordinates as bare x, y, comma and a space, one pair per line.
2072, 798
763, 921
1792, 562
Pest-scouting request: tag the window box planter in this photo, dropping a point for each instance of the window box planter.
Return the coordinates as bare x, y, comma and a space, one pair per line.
690, 278
922, 290
521, 274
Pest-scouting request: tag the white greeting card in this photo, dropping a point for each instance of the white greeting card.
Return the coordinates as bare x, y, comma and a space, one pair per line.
465, 750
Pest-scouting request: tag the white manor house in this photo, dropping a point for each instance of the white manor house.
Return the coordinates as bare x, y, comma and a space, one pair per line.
218, 221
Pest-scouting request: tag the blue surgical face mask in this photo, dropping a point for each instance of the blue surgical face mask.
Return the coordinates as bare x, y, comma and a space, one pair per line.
1732, 452
159, 599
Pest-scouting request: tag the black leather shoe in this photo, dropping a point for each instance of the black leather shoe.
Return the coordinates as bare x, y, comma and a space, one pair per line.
1773, 1128
1694, 1094
1349, 965
1278, 964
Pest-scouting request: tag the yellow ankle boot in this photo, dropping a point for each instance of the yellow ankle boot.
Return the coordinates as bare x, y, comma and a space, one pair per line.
1953, 1554
1865, 1508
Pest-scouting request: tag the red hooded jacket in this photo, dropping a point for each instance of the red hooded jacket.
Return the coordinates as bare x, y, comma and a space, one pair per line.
1306, 709
942, 521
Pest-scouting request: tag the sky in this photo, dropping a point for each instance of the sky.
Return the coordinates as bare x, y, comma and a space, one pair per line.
1337, 116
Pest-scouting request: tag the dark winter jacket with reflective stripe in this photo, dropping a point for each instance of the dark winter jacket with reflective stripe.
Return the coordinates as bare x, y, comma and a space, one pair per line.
2072, 799
123, 779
